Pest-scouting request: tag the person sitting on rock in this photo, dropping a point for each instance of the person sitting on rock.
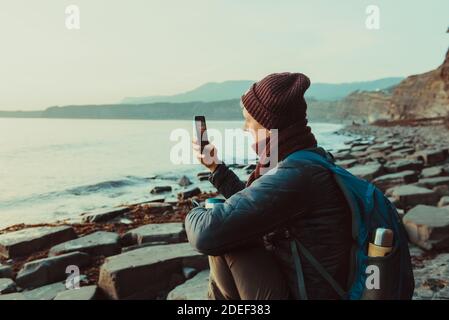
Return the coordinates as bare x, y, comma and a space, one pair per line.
247, 237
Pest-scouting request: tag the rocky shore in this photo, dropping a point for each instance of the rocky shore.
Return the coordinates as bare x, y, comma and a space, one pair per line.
137, 251
140, 251
411, 165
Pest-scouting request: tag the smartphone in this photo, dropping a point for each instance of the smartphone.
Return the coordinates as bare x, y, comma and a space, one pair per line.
201, 131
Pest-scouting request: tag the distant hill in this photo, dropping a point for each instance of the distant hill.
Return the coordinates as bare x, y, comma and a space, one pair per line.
216, 110
233, 89
211, 91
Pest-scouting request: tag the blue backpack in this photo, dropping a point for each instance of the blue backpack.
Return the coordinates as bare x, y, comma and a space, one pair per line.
370, 210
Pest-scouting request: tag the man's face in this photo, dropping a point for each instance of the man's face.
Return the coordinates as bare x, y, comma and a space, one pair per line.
255, 128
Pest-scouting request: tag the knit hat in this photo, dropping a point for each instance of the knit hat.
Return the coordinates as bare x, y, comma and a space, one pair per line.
277, 101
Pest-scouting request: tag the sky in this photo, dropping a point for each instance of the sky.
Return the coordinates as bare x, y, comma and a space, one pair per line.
152, 47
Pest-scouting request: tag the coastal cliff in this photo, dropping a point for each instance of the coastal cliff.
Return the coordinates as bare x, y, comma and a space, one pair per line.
418, 96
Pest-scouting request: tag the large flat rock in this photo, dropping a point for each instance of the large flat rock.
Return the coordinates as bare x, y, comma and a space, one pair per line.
7, 286
48, 292
49, 270
13, 296
83, 293
433, 182
5, 271
411, 195
444, 202
399, 154
367, 171
394, 179
143, 273
432, 172
159, 207
428, 226
403, 165
27, 241
347, 163
431, 157
189, 193
104, 215
99, 243
158, 232
193, 289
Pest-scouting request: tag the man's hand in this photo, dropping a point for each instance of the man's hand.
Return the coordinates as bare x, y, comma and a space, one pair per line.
209, 156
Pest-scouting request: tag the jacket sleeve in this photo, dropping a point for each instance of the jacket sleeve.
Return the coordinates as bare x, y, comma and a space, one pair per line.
226, 181
250, 213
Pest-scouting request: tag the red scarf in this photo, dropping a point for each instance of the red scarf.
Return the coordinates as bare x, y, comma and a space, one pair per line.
290, 139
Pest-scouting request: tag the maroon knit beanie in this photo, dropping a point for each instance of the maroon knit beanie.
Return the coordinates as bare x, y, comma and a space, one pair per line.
277, 101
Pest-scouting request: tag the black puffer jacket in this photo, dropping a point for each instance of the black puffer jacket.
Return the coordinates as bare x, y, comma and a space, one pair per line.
303, 196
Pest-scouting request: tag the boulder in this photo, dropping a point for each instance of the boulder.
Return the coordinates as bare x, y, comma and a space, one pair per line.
172, 200
410, 195
103, 216
431, 157
13, 296
359, 148
49, 270
161, 189
344, 155
400, 154
394, 179
189, 193
193, 289
397, 147
442, 190
432, 172
7, 286
83, 293
367, 171
346, 163
184, 181
377, 157
444, 201
359, 154
158, 232
159, 207
428, 226
143, 273
48, 292
6, 272
360, 142
433, 182
403, 165
381, 147
27, 241
153, 199
129, 247
99, 243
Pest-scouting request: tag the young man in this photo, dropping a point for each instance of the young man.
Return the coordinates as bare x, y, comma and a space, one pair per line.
247, 238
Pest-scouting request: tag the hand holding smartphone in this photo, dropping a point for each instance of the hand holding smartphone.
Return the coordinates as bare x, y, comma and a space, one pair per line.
207, 157
201, 131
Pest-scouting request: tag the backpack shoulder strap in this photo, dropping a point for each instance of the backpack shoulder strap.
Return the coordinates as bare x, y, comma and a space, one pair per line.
297, 246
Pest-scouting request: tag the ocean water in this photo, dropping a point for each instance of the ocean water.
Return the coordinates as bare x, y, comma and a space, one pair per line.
55, 169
